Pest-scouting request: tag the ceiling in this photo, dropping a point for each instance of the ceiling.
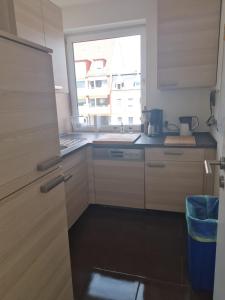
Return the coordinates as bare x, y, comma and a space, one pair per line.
63, 3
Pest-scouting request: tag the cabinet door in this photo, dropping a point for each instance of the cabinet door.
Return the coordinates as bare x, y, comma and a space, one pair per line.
28, 118
29, 20
54, 38
34, 249
76, 185
167, 183
188, 34
119, 183
7, 16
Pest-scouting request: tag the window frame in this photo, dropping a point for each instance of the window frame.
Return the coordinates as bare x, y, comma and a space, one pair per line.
100, 33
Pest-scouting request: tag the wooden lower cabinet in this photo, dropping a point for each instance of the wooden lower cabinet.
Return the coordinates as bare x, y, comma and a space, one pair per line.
34, 248
76, 174
169, 182
119, 183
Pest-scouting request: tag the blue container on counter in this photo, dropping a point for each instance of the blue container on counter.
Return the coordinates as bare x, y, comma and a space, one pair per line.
202, 219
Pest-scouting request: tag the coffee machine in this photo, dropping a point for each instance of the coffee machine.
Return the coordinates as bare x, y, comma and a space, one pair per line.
152, 122
155, 122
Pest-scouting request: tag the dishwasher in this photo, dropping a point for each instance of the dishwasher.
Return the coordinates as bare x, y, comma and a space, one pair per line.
119, 176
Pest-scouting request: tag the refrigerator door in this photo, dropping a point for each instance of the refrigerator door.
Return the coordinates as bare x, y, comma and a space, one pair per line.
28, 118
34, 249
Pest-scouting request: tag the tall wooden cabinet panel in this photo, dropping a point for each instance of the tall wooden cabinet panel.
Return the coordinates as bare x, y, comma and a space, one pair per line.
188, 34
28, 118
29, 21
34, 252
119, 183
76, 174
54, 39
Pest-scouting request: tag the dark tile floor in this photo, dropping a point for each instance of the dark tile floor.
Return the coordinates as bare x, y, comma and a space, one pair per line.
120, 254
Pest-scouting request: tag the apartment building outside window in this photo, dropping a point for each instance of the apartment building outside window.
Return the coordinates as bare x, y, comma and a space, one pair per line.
107, 78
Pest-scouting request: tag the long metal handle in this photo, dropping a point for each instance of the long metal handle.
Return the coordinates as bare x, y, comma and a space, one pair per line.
209, 163
208, 168
173, 152
67, 177
45, 188
156, 165
45, 165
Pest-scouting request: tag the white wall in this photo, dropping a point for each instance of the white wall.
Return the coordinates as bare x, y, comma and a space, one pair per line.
174, 103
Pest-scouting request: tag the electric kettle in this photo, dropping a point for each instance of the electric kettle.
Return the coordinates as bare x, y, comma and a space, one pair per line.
188, 124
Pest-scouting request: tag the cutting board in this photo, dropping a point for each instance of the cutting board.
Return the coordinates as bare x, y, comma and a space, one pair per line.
180, 141
115, 138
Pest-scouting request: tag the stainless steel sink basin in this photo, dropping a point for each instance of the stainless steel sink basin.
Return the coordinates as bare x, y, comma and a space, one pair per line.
62, 147
69, 141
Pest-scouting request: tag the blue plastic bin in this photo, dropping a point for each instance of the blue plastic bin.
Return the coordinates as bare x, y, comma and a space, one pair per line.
202, 218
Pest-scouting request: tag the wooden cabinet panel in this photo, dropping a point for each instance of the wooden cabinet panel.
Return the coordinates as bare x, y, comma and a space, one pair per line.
174, 154
29, 20
38, 21
167, 183
28, 118
119, 183
188, 33
7, 16
34, 249
54, 38
75, 169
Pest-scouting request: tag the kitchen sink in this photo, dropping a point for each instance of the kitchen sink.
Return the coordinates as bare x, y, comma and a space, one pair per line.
69, 141
62, 147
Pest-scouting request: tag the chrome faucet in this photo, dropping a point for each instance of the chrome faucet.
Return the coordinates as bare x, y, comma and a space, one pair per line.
122, 128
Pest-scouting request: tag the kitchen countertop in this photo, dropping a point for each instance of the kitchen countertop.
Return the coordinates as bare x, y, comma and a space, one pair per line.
203, 140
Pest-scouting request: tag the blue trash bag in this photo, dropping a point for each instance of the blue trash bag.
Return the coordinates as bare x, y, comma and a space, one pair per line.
202, 217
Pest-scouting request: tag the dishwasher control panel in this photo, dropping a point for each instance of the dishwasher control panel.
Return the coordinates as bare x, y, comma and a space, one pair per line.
118, 154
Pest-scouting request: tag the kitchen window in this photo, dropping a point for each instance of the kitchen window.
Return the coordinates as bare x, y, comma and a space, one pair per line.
106, 69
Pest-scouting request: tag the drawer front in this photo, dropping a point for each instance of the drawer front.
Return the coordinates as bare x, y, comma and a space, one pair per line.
168, 183
119, 183
174, 154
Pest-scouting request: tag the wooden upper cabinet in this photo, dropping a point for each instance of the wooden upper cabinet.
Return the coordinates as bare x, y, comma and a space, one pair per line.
29, 23
54, 38
38, 21
7, 16
188, 35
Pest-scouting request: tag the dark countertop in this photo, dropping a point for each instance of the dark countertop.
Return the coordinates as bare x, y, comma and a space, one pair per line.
203, 140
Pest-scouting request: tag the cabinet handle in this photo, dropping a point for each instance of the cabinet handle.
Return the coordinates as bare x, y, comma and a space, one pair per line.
173, 152
47, 164
45, 188
156, 165
67, 177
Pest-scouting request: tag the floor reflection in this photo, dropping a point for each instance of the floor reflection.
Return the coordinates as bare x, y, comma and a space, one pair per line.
110, 287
